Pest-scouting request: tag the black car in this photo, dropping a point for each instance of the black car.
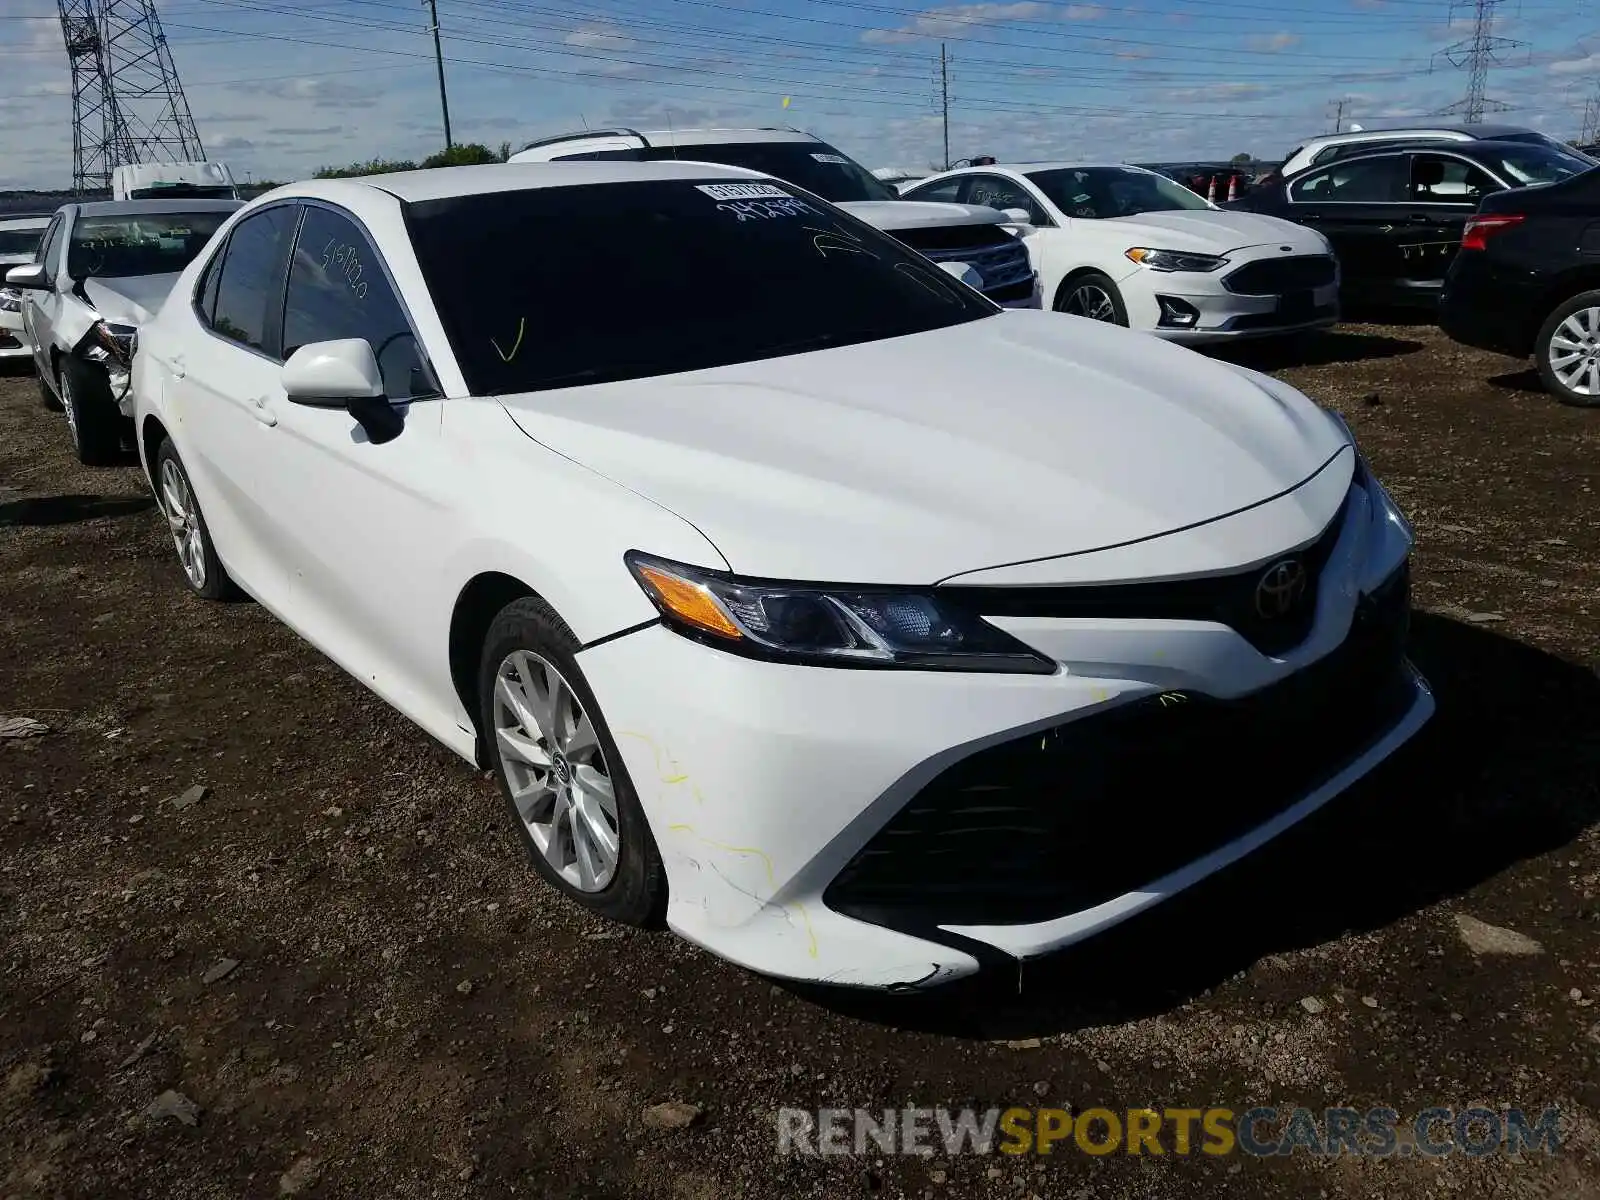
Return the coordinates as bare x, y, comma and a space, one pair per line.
1527, 281
1395, 215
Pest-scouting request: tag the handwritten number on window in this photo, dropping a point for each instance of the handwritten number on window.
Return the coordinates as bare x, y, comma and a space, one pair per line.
348, 261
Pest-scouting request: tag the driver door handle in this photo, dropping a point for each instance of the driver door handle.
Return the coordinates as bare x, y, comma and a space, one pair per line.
261, 409
179, 365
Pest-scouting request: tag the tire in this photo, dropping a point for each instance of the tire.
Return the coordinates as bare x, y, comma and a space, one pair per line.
191, 536
1571, 334
92, 416
1071, 298
48, 400
556, 801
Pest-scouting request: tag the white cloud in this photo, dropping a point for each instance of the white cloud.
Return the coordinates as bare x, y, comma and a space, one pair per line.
1273, 41
960, 20
600, 35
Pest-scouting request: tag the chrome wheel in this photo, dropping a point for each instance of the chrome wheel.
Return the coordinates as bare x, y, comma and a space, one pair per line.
556, 771
183, 518
1574, 352
70, 407
1092, 301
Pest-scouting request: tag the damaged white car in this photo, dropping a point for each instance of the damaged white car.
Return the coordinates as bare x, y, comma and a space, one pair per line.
101, 270
858, 628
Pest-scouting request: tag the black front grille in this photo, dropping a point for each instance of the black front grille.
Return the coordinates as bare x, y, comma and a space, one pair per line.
1001, 259
1007, 293
1275, 276
1230, 600
1058, 822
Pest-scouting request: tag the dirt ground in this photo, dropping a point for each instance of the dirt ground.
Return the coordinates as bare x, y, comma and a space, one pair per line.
412, 1014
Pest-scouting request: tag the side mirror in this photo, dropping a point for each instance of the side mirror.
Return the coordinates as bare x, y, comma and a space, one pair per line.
343, 374
965, 272
31, 277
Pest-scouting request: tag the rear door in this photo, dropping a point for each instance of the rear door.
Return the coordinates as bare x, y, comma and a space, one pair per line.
1354, 205
1442, 191
223, 380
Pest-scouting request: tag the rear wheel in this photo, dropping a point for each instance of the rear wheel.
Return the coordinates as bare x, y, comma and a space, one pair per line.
92, 416
1568, 351
1094, 296
191, 538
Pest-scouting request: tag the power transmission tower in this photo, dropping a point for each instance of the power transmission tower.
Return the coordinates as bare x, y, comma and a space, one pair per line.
944, 100
127, 103
1474, 55
1590, 133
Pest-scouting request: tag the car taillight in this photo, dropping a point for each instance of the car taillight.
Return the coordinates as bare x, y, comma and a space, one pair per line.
1483, 226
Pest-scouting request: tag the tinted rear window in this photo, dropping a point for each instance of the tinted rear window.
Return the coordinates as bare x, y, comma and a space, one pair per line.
558, 287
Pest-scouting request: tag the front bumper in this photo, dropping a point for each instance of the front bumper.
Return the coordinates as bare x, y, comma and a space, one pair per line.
1033, 299
1225, 317
849, 826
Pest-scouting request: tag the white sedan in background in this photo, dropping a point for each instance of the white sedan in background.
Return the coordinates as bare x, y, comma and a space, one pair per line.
1131, 247
859, 628
19, 244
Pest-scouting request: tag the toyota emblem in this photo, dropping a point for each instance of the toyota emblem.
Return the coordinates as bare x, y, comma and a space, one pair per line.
1281, 589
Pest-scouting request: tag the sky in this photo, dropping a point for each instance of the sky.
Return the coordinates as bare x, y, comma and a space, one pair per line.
279, 88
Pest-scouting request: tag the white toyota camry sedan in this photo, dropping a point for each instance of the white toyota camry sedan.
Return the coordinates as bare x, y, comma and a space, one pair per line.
800, 597
1129, 246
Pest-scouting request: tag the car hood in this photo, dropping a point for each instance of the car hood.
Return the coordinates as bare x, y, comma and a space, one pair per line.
920, 214
1019, 436
132, 300
1216, 231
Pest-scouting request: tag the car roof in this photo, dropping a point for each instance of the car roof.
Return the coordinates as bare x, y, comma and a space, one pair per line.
1477, 133
27, 222
1477, 148
443, 183
680, 137
1028, 168
140, 208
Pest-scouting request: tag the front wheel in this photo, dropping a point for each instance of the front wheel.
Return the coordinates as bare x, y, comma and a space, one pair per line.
1094, 296
1568, 351
559, 771
92, 416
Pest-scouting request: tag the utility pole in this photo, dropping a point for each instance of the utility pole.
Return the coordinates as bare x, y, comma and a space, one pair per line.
1338, 115
1473, 55
944, 101
438, 59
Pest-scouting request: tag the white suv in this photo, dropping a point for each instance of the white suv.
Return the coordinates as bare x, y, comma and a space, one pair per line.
1337, 145
980, 237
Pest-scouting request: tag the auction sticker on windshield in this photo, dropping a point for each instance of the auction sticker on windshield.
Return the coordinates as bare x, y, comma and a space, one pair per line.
743, 191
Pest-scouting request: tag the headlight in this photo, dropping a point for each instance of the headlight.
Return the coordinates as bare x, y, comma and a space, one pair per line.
1174, 260
829, 626
10, 300
111, 343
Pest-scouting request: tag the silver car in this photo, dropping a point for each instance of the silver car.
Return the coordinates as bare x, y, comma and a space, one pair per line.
100, 271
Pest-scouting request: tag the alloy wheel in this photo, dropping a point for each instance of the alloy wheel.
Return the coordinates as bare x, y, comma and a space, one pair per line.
556, 771
1575, 352
183, 518
1090, 300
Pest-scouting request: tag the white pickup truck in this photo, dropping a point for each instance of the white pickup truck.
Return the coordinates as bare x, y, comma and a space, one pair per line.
101, 271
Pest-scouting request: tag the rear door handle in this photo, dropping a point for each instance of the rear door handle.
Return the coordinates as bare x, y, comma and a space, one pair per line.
1420, 219
179, 365
261, 408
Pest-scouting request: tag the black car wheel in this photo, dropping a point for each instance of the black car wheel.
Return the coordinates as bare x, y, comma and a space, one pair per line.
92, 416
1094, 296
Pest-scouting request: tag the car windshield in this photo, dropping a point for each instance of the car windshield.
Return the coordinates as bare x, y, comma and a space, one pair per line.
1539, 164
127, 244
15, 243
815, 166
564, 286
1095, 193
184, 191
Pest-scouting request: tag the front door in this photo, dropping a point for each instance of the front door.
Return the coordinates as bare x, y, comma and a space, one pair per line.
40, 309
360, 523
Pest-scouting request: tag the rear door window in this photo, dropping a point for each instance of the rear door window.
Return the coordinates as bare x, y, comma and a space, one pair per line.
1443, 179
